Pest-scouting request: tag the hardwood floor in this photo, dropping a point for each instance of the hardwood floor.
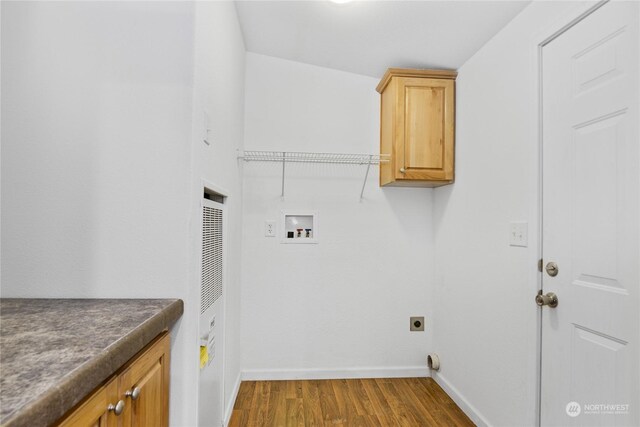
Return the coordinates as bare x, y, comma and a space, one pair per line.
355, 402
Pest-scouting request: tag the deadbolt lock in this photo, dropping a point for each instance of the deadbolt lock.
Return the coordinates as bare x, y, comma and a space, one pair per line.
552, 269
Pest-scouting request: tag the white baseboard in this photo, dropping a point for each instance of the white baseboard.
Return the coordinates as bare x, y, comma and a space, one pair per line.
232, 400
327, 374
461, 401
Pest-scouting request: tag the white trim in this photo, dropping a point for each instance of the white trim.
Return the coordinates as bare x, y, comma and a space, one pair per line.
584, 10
471, 411
232, 400
215, 205
327, 374
211, 186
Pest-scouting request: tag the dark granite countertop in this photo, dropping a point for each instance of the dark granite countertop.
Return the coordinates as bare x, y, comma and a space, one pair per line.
54, 352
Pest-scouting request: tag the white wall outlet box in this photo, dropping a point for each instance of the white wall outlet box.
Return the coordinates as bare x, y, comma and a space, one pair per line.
270, 228
518, 233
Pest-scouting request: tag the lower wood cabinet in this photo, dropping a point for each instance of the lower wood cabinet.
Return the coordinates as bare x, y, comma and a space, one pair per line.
137, 395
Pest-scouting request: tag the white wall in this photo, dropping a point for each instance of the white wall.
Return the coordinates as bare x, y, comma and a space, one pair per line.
339, 308
94, 138
485, 327
96, 121
219, 91
100, 170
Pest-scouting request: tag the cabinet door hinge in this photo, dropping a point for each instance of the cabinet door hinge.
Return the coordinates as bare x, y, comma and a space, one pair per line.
540, 265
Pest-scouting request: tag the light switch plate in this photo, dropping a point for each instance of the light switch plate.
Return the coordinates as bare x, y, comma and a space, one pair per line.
518, 233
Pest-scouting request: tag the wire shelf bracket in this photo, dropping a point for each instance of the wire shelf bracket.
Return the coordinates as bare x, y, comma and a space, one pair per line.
285, 157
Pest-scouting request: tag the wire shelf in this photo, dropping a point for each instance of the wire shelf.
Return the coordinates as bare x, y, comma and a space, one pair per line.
285, 157
300, 157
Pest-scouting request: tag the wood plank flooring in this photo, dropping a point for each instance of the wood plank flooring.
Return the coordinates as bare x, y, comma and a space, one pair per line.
355, 402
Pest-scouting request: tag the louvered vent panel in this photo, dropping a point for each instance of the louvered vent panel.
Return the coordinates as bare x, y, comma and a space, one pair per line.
211, 283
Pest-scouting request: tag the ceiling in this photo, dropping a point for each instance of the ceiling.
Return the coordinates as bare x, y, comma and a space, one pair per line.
367, 37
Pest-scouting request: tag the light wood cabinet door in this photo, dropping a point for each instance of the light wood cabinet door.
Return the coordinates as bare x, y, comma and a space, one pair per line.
95, 412
144, 385
417, 127
137, 395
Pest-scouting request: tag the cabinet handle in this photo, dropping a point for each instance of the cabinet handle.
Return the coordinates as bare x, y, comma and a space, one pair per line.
133, 394
402, 170
117, 408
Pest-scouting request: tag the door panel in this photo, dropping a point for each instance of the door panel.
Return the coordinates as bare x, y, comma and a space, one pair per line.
212, 314
425, 127
591, 188
148, 409
424, 121
94, 411
145, 387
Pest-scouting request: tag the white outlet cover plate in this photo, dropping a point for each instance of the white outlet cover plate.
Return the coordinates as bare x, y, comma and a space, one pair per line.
270, 228
518, 233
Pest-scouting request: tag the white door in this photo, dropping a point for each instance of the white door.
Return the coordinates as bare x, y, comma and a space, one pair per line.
212, 314
591, 189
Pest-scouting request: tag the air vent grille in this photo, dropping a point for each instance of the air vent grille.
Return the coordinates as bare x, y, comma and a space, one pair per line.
211, 280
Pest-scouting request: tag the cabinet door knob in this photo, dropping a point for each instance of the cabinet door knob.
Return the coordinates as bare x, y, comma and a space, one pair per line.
133, 394
117, 408
402, 170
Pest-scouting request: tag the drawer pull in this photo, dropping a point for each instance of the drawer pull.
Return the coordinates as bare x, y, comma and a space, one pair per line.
117, 408
133, 394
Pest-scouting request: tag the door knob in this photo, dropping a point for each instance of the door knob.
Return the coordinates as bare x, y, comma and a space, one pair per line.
549, 299
552, 269
402, 170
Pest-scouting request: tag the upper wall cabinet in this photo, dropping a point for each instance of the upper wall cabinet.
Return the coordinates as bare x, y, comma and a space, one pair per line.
417, 124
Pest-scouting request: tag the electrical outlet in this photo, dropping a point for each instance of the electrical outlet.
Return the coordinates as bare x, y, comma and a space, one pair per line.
416, 323
270, 228
518, 233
